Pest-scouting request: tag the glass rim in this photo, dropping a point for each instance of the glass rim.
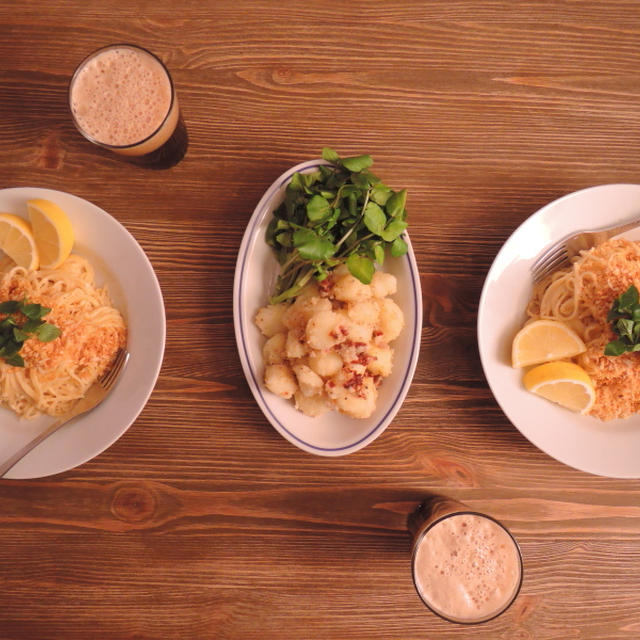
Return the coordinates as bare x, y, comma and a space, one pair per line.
92, 55
421, 535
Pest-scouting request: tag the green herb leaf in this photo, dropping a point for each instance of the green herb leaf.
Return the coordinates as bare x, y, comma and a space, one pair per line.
9, 306
318, 208
47, 332
284, 239
19, 335
374, 218
310, 178
396, 203
330, 155
9, 348
31, 325
34, 311
361, 267
297, 183
361, 180
628, 300
13, 334
311, 246
380, 194
378, 253
625, 318
624, 328
613, 313
270, 235
398, 248
357, 163
615, 348
393, 230
15, 360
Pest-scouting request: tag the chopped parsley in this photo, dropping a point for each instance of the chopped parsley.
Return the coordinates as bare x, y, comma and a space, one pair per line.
625, 322
14, 331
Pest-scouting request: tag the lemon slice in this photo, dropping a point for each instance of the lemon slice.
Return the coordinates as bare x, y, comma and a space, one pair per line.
52, 232
565, 383
543, 341
16, 240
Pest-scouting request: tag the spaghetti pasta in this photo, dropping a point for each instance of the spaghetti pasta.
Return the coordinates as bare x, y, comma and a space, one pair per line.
58, 373
581, 296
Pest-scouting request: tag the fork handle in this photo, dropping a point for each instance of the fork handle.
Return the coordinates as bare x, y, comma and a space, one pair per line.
18, 455
625, 227
604, 233
595, 237
90, 400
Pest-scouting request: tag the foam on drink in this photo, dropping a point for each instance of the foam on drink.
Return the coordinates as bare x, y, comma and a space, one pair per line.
121, 96
467, 568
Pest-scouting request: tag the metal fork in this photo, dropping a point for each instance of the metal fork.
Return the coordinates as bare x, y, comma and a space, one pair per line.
96, 393
558, 255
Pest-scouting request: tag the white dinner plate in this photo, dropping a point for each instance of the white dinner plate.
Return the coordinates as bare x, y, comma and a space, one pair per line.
586, 443
122, 265
331, 434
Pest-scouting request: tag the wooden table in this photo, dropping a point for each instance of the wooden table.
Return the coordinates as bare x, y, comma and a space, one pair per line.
201, 521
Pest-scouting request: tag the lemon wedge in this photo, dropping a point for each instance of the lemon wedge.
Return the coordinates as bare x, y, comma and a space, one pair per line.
17, 241
543, 341
565, 383
52, 232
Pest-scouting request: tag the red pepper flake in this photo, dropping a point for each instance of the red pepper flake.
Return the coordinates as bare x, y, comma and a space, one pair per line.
377, 333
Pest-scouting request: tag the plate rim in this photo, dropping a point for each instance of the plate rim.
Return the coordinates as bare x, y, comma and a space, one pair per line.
257, 217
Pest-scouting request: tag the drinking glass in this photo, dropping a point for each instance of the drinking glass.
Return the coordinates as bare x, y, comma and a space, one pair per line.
466, 566
122, 98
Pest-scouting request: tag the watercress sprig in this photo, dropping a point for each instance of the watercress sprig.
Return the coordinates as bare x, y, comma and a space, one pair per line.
339, 213
14, 332
625, 322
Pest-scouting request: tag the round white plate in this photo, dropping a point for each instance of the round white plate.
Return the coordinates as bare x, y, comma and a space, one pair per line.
331, 434
122, 265
603, 448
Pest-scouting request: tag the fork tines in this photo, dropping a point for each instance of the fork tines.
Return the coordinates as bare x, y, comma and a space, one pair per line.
110, 376
548, 262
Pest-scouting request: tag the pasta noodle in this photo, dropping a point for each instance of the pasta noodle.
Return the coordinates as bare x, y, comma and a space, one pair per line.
58, 373
581, 296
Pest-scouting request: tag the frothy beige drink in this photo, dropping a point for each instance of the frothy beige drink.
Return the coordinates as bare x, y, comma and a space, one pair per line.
122, 98
466, 566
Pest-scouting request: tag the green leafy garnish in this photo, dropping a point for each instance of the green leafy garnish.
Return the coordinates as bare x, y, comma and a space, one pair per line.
14, 333
625, 322
338, 213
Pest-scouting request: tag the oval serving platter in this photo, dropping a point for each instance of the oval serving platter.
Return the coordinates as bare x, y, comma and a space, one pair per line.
331, 434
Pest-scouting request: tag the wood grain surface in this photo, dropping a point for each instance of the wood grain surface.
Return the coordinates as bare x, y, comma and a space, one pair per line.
201, 521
